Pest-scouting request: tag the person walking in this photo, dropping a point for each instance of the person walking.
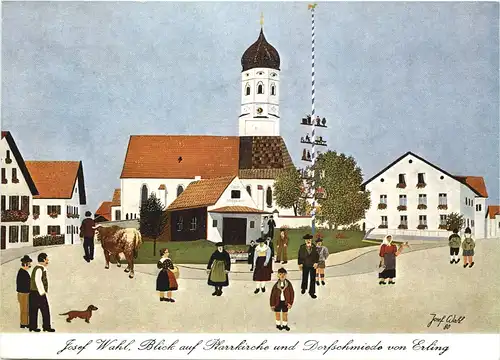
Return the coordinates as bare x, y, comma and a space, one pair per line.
23, 282
282, 247
87, 231
468, 247
38, 298
251, 253
271, 225
454, 242
218, 269
166, 281
308, 259
281, 300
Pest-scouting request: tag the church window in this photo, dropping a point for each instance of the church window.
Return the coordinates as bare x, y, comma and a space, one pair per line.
249, 190
180, 189
269, 197
260, 88
144, 194
247, 90
273, 89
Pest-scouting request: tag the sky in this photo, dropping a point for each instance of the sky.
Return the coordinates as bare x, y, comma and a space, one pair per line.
79, 78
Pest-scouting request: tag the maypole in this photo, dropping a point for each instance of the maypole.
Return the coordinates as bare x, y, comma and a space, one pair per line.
314, 121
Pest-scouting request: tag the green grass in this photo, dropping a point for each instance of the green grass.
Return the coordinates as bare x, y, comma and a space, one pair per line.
199, 251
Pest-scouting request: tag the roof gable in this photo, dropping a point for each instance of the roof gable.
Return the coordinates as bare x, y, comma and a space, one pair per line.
104, 210
116, 198
492, 211
201, 193
20, 161
57, 179
476, 181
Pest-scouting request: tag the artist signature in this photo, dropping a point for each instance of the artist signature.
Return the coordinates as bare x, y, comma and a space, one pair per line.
447, 319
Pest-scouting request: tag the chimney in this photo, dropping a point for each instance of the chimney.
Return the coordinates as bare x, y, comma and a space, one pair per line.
197, 177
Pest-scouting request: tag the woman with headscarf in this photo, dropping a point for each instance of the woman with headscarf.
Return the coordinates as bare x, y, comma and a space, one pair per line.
166, 281
218, 269
261, 260
388, 253
468, 246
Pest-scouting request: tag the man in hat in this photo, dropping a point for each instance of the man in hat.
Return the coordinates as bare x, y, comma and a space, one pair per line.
251, 253
271, 225
87, 231
282, 247
308, 262
281, 300
39, 287
323, 255
261, 260
23, 290
218, 269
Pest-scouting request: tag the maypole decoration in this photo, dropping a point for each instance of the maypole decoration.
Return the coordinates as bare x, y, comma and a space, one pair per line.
314, 121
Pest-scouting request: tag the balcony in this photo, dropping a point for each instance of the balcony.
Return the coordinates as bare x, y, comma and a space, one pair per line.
72, 216
403, 227
14, 215
422, 227
383, 226
421, 185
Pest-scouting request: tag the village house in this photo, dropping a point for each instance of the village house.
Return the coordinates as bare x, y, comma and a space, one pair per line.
218, 209
493, 221
167, 164
103, 212
116, 213
413, 197
56, 209
17, 194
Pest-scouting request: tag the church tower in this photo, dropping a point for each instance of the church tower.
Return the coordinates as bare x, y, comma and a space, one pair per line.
260, 90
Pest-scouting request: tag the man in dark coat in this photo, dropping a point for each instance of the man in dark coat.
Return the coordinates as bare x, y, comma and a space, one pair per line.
271, 225
251, 253
308, 262
23, 290
87, 231
218, 269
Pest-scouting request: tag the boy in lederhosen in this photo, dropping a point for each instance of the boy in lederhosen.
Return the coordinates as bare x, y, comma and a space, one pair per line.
281, 300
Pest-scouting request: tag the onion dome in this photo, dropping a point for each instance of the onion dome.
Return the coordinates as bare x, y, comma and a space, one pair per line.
260, 54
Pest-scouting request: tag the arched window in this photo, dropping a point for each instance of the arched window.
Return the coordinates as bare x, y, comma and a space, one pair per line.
260, 88
273, 89
269, 197
126, 216
249, 190
144, 194
180, 189
247, 90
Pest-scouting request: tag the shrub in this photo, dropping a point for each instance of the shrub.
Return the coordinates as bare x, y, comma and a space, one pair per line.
421, 207
402, 208
421, 227
382, 206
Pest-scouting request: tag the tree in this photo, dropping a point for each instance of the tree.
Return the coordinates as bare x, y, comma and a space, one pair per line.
455, 221
340, 178
153, 219
288, 190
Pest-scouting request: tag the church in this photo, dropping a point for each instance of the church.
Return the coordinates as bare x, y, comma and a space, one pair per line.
176, 167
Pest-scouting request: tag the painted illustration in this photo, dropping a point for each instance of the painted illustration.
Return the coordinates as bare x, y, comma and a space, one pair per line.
259, 167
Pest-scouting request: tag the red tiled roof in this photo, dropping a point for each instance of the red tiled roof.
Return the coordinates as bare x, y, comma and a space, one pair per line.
104, 210
201, 193
238, 209
54, 179
492, 211
116, 198
476, 183
181, 156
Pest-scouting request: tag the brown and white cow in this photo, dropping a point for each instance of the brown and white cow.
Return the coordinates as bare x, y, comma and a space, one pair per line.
116, 240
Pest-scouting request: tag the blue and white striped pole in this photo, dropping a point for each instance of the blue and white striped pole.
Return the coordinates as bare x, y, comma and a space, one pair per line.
313, 155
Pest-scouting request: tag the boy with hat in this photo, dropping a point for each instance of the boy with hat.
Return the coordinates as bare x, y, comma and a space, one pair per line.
323, 255
23, 281
218, 269
281, 300
308, 262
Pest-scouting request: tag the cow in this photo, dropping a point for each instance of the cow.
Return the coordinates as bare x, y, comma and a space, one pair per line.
116, 240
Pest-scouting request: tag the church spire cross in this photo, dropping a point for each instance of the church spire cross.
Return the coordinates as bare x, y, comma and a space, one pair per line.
261, 19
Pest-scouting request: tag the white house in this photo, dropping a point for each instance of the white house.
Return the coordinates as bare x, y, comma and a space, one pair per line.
217, 209
413, 197
17, 191
116, 213
56, 209
493, 221
167, 164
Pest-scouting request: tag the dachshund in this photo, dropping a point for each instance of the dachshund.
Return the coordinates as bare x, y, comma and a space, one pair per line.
86, 314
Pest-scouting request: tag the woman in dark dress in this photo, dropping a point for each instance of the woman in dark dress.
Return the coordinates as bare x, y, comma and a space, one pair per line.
166, 279
262, 271
218, 268
388, 254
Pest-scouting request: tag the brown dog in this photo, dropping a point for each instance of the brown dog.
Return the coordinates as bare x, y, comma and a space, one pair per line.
86, 314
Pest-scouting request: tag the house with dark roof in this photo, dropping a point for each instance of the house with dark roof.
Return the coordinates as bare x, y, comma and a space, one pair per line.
493, 221
413, 197
166, 165
18, 190
57, 207
216, 209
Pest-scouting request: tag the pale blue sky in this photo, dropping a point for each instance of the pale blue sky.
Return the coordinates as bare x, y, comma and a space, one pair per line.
79, 78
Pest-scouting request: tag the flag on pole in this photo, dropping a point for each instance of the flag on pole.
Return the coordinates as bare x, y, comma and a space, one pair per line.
311, 6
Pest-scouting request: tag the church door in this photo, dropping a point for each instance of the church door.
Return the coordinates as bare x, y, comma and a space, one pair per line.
234, 231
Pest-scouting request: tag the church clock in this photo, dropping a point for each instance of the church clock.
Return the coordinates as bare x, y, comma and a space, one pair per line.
259, 110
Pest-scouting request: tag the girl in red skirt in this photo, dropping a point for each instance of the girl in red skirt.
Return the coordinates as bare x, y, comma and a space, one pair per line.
262, 269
